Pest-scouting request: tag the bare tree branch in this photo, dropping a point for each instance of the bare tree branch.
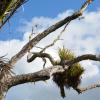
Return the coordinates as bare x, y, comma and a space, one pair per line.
81, 90
55, 40
83, 57
40, 36
41, 75
39, 54
70, 62
32, 77
45, 73
44, 60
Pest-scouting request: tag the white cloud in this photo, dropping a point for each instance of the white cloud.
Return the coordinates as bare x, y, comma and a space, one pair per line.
81, 36
91, 69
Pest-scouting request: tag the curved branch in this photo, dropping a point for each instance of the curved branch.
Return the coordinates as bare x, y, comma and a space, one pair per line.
83, 57
81, 90
69, 62
35, 55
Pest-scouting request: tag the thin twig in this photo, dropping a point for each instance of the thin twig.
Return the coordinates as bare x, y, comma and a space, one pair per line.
55, 40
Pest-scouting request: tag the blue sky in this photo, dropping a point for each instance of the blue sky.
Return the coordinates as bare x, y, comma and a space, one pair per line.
85, 33
37, 8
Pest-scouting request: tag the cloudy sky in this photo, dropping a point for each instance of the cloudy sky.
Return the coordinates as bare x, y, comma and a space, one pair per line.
81, 36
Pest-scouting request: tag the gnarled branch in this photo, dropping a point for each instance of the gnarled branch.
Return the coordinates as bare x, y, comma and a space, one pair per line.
45, 73
45, 55
83, 57
69, 62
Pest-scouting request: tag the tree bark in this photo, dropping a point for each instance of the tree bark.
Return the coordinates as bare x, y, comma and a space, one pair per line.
1, 97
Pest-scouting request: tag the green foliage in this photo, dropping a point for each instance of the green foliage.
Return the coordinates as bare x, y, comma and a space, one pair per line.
5, 7
8, 8
76, 69
65, 54
70, 77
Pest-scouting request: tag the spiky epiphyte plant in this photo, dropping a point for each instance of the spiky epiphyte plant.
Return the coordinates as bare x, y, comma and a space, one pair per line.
8, 8
5, 6
71, 77
5, 69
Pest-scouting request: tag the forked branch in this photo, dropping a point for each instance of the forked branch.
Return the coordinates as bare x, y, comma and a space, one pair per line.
47, 72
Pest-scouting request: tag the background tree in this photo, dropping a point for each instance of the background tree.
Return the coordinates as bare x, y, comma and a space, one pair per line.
66, 72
